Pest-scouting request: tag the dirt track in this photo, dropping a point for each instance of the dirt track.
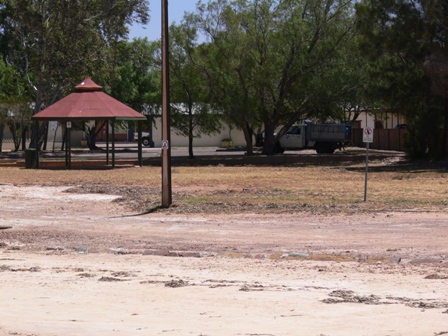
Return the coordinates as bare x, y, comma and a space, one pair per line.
81, 264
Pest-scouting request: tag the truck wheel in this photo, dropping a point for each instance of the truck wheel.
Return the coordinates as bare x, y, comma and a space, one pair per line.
323, 148
278, 149
145, 142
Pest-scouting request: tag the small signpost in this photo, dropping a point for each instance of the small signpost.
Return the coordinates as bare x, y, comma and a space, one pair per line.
367, 137
165, 144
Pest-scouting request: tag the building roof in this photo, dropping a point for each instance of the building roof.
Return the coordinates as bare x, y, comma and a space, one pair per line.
88, 102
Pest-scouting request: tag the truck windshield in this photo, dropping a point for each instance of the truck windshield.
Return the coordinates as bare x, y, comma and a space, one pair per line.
294, 130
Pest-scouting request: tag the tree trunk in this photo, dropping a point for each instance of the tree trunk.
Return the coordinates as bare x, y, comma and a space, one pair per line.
248, 136
15, 138
91, 138
269, 140
64, 129
24, 129
190, 148
190, 132
45, 140
2, 129
445, 130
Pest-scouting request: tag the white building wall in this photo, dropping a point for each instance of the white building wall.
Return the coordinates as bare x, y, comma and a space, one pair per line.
213, 140
389, 120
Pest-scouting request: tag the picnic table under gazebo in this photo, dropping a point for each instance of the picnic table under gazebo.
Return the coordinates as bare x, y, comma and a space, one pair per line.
87, 103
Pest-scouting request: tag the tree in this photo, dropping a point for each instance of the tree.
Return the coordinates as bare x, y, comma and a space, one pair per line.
276, 60
132, 75
192, 113
228, 64
436, 67
399, 36
54, 44
14, 105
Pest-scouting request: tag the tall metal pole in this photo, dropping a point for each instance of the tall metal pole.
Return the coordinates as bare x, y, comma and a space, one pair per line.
367, 171
166, 139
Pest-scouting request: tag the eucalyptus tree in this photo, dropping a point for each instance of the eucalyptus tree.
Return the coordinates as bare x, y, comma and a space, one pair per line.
277, 61
54, 44
192, 113
229, 66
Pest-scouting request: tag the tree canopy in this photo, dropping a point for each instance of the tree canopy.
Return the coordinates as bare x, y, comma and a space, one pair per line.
260, 65
271, 63
193, 114
53, 43
400, 37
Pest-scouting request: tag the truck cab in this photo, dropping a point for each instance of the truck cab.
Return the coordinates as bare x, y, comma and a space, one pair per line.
294, 138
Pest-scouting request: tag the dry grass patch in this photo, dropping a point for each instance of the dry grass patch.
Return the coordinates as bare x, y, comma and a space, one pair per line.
260, 189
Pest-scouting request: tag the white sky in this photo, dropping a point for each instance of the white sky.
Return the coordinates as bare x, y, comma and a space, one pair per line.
176, 10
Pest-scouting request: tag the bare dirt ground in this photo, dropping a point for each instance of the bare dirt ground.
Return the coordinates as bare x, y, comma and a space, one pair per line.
111, 263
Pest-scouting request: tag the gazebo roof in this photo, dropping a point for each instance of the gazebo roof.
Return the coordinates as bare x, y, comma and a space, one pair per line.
88, 102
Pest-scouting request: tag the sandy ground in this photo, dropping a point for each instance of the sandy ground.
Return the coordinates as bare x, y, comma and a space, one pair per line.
74, 264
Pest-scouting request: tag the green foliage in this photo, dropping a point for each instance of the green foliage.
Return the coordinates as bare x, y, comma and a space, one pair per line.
54, 44
274, 62
398, 37
192, 113
15, 110
132, 73
12, 87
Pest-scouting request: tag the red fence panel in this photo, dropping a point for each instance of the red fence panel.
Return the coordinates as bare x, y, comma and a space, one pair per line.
386, 139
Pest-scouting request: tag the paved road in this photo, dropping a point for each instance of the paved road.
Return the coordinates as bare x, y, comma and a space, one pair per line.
127, 151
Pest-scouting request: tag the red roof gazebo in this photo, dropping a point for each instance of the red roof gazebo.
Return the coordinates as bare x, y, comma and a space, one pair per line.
88, 102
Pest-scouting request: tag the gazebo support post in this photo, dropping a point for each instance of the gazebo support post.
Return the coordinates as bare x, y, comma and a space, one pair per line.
37, 143
140, 154
66, 144
106, 124
113, 143
69, 145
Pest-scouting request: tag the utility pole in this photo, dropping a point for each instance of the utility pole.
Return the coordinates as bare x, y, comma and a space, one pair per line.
166, 138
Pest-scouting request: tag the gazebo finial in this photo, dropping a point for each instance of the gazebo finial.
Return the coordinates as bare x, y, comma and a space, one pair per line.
87, 85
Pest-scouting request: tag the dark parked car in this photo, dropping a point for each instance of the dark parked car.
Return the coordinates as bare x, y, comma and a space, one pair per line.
401, 126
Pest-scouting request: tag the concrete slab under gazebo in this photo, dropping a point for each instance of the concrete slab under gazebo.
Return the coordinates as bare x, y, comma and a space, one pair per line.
87, 103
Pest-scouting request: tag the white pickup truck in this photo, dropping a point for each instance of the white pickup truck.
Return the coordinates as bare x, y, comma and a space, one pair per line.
324, 138
146, 141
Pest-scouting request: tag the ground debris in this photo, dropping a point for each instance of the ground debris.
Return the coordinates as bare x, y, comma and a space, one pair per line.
345, 296
348, 296
426, 305
4, 268
86, 275
250, 288
436, 277
176, 283
110, 279
123, 274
